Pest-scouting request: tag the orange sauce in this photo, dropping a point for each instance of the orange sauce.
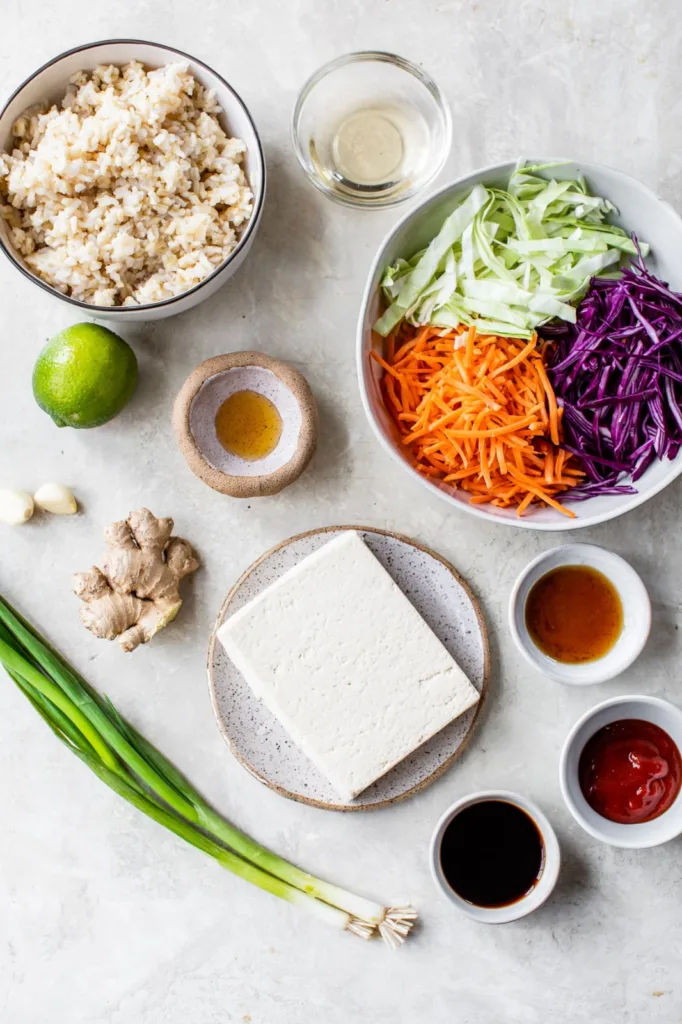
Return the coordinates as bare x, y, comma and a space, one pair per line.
574, 614
249, 425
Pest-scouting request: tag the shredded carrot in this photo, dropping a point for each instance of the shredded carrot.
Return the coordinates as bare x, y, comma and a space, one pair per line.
471, 337
478, 412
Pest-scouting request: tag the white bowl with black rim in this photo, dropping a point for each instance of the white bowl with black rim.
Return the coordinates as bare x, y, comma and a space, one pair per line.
639, 210
49, 83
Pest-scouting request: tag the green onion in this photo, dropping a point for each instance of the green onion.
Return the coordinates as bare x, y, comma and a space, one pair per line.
120, 756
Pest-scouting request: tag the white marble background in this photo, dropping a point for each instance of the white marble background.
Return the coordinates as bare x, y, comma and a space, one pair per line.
104, 918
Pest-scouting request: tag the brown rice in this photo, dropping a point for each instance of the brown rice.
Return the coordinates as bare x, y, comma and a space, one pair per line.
130, 192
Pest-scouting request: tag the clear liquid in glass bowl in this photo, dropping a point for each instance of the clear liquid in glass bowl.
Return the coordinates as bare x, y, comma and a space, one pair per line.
371, 129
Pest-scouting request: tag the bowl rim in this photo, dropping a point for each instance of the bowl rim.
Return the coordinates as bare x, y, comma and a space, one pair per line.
115, 311
385, 57
254, 485
590, 673
547, 880
479, 511
641, 843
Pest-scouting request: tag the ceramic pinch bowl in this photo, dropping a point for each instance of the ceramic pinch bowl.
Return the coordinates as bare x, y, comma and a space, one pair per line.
636, 614
200, 398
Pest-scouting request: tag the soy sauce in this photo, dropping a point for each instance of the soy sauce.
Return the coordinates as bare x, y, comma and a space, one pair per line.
492, 853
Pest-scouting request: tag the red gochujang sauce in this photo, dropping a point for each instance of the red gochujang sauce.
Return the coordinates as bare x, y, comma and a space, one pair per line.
630, 771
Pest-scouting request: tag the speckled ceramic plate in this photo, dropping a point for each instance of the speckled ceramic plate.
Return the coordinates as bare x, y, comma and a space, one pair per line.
263, 746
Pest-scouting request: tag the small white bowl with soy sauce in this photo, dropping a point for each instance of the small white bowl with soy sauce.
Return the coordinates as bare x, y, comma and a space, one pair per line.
495, 856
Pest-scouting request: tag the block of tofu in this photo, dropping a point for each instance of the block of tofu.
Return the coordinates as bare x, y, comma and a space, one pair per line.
345, 662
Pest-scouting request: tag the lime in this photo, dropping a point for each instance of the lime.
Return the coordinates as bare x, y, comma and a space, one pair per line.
84, 376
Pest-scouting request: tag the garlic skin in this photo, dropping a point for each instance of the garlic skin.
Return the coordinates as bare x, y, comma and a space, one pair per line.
16, 507
57, 499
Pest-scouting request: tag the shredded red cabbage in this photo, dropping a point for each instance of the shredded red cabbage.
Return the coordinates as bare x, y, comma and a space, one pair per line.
617, 372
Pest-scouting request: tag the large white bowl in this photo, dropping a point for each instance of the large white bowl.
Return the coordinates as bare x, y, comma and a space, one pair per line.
640, 210
48, 84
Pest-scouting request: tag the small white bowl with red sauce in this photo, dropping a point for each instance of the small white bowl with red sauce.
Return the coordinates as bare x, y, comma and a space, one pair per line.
621, 771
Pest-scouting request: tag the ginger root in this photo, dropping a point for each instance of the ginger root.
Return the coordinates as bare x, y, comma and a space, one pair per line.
135, 590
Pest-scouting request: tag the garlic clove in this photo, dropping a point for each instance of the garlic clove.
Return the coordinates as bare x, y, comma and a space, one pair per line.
57, 499
16, 507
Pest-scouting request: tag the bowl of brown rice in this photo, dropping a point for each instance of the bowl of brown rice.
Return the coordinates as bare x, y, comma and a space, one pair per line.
132, 179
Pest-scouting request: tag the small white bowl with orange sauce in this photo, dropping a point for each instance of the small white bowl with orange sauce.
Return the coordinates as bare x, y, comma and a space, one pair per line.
579, 614
621, 770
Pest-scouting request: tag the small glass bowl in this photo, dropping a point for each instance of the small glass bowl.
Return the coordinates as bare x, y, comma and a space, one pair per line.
371, 129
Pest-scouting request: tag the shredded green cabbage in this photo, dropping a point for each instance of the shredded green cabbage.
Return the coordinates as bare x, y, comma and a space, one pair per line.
508, 261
